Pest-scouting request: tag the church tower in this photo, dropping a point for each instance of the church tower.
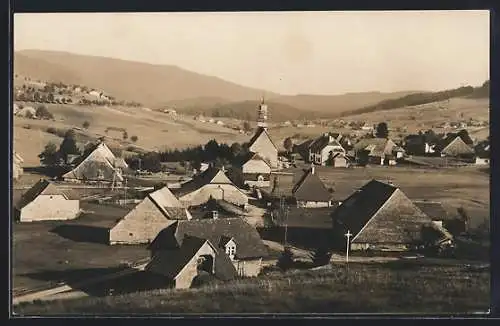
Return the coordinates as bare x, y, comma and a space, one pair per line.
262, 114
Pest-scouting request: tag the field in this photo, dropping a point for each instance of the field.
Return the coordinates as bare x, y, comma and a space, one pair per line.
396, 287
50, 252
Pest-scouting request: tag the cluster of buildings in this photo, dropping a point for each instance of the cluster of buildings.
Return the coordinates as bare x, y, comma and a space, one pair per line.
199, 228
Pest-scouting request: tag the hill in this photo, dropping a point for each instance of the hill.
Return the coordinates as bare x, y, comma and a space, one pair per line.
146, 83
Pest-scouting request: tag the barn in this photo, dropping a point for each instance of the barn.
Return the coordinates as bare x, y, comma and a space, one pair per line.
310, 191
183, 263
381, 217
454, 146
262, 144
99, 165
381, 151
212, 183
322, 149
256, 171
143, 223
232, 236
45, 202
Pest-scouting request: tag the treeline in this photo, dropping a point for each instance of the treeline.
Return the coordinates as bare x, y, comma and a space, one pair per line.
423, 98
481, 92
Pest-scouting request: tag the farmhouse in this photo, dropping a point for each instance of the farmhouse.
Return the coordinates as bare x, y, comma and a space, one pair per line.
17, 169
454, 146
381, 151
417, 145
323, 149
143, 223
482, 151
45, 201
212, 183
262, 144
434, 210
182, 263
234, 237
100, 165
381, 217
256, 171
310, 191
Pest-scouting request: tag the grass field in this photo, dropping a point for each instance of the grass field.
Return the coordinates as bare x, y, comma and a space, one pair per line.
50, 252
395, 287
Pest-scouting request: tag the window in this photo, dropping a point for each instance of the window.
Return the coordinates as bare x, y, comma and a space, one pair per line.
231, 251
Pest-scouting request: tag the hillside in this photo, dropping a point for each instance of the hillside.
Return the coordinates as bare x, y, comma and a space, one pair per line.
152, 85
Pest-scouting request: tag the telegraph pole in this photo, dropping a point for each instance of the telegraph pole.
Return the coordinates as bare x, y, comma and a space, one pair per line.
348, 237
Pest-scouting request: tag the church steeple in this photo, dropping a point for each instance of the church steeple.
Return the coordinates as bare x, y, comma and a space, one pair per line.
262, 114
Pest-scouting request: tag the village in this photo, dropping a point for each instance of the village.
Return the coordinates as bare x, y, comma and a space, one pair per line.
220, 220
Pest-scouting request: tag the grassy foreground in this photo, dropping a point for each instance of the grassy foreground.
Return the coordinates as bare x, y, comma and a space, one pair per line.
368, 288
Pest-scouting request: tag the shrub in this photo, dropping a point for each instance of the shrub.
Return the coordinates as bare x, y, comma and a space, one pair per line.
43, 113
134, 138
321, 256
86, 124
29, 115
285, 261
52, 130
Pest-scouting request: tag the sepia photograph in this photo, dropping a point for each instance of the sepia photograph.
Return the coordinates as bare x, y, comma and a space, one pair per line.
293, 162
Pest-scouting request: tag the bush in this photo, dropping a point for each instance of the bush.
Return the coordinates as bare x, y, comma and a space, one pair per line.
43, 113
285, 261
86, 124
29, 115
321, 257
134, 138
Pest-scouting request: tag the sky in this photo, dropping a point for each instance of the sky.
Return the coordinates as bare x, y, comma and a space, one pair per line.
284, 52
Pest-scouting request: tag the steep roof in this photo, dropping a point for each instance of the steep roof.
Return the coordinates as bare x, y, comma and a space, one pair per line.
250, 244
211, 175
357, 209
455, 145
376, 146
261, 132
169, 204
257, 157
434, 210
323, 141
311, 188
42, 187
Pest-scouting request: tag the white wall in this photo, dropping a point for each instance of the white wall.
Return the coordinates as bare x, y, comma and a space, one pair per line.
50, 207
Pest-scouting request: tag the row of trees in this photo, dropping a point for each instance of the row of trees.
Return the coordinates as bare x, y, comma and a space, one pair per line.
51, 155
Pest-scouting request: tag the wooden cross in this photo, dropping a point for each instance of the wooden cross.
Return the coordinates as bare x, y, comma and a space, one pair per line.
348, 236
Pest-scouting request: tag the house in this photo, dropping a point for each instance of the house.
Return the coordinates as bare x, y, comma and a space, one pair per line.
339, 160
417, 145
381, 151
482, 151
45, 202
99, 165
17, 169
322, 149
310, 191
381, 217
438, 215
303, 149
256, 171
234, 237
143, 223
182, 263
215, 209
453, 145
213, 183
262, 144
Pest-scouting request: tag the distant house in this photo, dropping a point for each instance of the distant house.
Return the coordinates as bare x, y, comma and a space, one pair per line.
382, 151
170, 111
220, 123
454, 146
381, 217
482, 151
17, 169
367, 126
256, 171
262, 144
213, 183
99, 165
322, 149
303, 149
215, 209
44, 202
417, 145
310, 191
232, 237
338, 160
143, 223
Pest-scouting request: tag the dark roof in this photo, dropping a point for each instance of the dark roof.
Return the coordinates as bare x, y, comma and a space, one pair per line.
42, 187
176, 213
434, 210
311, 188
322, 141
223, 240
170, 262
249, 243
224, 208
357, 209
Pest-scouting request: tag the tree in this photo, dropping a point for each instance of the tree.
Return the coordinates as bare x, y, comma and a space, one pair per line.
246, 126
151, 162
125, 135
382, 130
50, 97
49, 155
134, 138
86, 125
285, 261
288, 144
68, 145
236, 149
321, 256
43, 113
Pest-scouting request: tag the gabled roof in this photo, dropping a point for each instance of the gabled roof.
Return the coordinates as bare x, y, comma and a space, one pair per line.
211, 175
434, 210
169, 204
323, 141
250, 244
223, 241
454, 145
257, 157
376, 146
311, 188
261, 132
359, 208
42, 187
